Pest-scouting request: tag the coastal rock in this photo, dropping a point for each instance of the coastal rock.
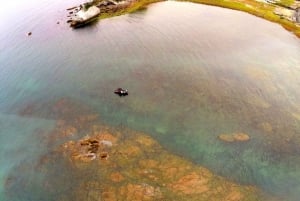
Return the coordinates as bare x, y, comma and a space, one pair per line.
104, 155
106, 143
84, 157
90, 148
285, 13
297, 15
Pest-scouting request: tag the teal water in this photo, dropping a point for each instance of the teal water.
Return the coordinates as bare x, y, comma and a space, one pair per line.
193, 73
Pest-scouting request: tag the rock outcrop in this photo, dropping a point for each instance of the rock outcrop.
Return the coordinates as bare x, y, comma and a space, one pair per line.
297, 15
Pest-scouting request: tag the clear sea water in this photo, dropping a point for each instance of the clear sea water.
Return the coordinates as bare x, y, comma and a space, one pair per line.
193, 73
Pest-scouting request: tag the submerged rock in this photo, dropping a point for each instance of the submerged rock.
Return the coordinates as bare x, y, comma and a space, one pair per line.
106, 143
234, 137
112, 164
138, 169
241, 137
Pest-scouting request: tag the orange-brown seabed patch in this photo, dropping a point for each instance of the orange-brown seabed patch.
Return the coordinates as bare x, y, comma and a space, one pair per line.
131, 166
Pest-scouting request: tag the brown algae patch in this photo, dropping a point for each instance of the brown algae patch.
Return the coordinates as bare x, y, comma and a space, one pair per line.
191, 184
234, 137
138, 168
119, 164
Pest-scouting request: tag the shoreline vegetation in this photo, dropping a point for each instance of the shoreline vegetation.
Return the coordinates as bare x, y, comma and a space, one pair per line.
283, 12
279, 12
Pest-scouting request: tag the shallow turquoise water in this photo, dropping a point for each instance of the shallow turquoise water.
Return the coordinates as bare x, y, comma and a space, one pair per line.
193, 73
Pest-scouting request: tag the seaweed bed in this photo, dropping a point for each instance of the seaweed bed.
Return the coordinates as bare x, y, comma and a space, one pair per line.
98, 162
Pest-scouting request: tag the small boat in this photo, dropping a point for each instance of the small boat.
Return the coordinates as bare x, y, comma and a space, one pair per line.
121, 92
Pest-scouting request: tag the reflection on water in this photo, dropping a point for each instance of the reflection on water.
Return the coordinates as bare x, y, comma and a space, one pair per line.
193, 72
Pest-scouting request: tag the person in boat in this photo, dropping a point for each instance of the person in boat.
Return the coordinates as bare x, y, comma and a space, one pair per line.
121, 92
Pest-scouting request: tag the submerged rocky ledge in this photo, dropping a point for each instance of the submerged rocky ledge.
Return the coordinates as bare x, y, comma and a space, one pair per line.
99, 162
284, 12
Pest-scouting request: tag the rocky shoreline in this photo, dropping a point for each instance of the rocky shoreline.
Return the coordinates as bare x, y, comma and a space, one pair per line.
286, 14
107, 8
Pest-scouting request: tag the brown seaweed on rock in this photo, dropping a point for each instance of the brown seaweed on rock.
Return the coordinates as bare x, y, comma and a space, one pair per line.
111, 164
138, 168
